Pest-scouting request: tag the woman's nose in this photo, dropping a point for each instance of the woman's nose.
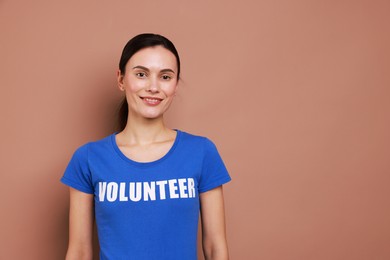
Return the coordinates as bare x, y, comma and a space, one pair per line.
153, 86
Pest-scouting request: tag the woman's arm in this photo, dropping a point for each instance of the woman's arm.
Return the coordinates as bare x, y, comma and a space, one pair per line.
81, 219
213, 225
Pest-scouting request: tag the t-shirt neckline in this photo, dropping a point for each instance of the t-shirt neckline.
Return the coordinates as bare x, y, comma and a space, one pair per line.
145, 164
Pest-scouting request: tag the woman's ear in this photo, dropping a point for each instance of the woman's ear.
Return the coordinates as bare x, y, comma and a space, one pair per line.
120, 80
176, 87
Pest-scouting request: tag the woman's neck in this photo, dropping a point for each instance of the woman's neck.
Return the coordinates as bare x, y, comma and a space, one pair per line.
141, 131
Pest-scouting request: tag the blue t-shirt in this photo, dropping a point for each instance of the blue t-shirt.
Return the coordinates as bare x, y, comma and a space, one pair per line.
147, 210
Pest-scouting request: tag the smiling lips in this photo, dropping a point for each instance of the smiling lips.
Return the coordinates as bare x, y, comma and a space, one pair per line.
152, 101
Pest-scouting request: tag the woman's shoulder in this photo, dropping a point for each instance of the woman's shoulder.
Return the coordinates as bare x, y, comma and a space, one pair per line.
196, 139
98, 144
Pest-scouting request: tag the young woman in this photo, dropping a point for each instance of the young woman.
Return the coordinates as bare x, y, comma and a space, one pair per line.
146, 184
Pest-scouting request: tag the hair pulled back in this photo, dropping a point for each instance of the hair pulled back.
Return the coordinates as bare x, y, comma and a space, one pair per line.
134, 45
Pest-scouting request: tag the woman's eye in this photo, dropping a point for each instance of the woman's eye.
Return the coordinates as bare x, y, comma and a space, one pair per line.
166, 77
140, 75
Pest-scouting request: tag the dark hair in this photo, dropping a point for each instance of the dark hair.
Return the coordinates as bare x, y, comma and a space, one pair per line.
137, 43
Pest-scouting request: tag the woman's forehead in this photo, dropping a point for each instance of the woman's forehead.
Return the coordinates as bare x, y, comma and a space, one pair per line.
154, 57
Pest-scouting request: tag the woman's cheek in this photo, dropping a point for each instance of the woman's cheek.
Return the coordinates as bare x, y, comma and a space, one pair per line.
137, 85
171, 90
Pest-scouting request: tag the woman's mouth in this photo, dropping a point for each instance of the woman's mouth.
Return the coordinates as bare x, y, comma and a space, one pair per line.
151, 101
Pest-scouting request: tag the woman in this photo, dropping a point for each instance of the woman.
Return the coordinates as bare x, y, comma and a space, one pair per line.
146, 185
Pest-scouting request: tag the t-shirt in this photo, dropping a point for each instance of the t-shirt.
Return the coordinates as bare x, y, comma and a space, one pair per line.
147, 210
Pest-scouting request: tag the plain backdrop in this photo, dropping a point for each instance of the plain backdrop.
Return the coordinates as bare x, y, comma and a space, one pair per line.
294, 93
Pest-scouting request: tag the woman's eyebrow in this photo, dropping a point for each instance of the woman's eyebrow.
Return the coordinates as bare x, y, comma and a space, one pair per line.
167, 70
146, 69
140, 67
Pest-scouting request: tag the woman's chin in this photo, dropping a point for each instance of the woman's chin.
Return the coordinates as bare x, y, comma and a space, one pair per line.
152, 116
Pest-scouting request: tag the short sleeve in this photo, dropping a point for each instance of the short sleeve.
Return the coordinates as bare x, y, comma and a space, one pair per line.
214, 172
77, 174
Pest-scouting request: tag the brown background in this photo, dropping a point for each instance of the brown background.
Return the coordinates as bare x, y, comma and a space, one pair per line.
294, 93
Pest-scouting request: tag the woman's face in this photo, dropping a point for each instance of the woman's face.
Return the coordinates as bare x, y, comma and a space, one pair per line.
150, 82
